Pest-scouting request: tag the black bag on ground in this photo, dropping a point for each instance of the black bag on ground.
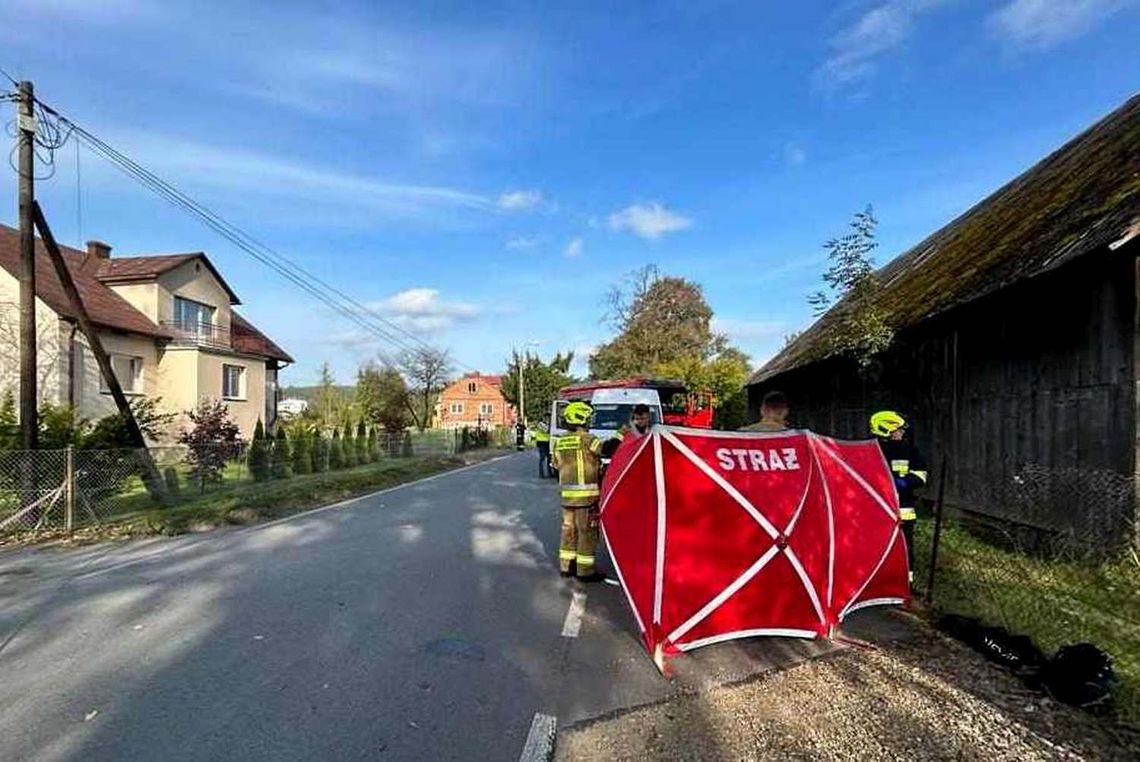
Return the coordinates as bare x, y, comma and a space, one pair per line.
1014, 652
1080, 675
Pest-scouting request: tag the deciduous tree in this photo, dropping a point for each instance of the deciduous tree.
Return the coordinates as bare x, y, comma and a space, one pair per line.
426, 370
859, 329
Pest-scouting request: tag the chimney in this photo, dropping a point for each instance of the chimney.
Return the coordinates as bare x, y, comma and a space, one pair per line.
98, 250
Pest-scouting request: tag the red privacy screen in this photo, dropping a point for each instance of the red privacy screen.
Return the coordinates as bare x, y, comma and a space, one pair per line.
718, 535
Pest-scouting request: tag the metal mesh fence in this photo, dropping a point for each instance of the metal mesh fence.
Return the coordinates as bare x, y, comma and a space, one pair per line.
1060, 566
51, 490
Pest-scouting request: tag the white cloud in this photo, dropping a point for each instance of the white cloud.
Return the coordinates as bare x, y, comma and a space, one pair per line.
522, 242
794, 155
421, 310
881, 29
649, 221
574, 248
277, 176
515, 201
1043, 23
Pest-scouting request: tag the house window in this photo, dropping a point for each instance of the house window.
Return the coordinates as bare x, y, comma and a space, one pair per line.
456, 408
471, 387
193, 316
233, 382
128, 370
486, 408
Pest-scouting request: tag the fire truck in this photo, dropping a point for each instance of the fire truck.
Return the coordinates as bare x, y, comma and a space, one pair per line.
680, 406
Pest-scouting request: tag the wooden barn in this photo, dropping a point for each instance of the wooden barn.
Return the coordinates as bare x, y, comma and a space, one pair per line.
1016, 347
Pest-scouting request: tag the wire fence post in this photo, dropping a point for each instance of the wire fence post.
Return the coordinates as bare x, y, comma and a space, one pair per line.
937, 533
69, 488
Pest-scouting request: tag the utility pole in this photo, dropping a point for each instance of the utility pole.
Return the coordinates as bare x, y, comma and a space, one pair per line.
26, 127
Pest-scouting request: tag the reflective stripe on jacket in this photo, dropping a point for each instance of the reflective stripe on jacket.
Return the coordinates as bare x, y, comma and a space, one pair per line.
578, 458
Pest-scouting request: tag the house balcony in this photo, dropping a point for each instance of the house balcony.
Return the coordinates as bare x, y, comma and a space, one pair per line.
191, 334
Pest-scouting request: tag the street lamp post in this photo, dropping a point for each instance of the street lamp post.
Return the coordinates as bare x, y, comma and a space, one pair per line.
522, 392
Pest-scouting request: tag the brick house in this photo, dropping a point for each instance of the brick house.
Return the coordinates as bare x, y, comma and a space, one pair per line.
473, 400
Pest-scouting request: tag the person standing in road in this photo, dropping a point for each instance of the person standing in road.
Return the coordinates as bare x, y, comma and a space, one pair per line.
908, 468
578, 458
542, 444
774, 411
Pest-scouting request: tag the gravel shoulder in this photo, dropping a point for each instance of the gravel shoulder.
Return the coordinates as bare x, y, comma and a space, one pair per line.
915, 695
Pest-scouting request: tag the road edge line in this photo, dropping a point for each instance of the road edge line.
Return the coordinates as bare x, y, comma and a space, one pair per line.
540, 739
195, 541
367, 495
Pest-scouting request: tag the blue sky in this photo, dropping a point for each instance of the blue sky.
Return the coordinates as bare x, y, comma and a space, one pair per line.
482, 172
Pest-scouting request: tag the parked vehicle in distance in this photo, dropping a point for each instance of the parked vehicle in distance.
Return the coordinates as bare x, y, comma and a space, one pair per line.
613, 406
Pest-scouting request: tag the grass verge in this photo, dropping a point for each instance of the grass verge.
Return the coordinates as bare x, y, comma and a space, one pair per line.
1054, 602
248, 502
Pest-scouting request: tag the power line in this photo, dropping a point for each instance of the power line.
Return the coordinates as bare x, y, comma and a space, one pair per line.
338, 300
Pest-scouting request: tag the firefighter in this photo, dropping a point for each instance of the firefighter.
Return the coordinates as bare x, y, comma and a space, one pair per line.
542, 444
773, 414
578, 455
908, 468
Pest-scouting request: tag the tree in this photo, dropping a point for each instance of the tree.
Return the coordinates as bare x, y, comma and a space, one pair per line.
213, 440
336, 452
259, 454
348, 447
660, 319
373, 445
320, 452
541, 382
9, 424
281, 462
382, 396
425, 370
725, 375
111, 431
859, 329
332, 406
363, 454
302, 451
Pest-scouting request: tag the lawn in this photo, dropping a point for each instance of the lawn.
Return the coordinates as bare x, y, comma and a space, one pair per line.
242, 501
1054, 602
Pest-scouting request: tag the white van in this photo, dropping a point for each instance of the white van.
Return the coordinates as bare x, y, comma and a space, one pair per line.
613, 408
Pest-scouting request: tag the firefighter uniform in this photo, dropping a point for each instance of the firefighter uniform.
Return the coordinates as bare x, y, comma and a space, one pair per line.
908, 469
542, 444
578, 457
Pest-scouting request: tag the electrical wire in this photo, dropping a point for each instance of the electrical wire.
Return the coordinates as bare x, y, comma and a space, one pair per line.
345, 305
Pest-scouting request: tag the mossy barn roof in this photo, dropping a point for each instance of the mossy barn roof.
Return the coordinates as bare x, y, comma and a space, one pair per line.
1076, 201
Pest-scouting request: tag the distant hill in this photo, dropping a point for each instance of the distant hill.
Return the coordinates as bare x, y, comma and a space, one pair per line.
309, 393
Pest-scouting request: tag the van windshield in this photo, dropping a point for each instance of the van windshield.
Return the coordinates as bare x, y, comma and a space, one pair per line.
613, 416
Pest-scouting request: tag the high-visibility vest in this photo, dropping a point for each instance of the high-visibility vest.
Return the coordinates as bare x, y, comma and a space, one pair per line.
578, 458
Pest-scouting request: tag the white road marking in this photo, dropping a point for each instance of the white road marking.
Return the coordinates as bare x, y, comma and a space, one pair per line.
574, 615
540, 739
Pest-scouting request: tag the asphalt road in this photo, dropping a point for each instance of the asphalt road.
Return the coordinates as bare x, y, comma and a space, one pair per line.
425, 622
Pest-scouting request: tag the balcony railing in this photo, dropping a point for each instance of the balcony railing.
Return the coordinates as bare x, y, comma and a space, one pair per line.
187, 333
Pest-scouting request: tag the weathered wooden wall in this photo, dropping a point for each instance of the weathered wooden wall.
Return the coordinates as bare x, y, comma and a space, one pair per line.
1029, 394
